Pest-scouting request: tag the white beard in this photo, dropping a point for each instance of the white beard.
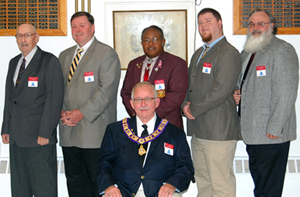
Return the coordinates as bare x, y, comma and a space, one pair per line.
258, 43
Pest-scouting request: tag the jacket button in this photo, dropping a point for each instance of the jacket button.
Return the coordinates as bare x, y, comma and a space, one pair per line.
142, 177
190, 90
133, 194
15, 102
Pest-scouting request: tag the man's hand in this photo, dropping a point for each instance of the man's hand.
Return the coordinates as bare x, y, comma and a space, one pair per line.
187, 112
112, 191
71, 118
42, 141
237, 96
272, 137
5, 138
166, 190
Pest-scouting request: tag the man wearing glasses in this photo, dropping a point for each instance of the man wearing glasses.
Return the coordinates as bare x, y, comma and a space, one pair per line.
33, 101
266, 95
144, 155
167, 72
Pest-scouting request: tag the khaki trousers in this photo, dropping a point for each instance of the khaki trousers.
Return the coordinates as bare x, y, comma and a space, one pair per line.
213, 163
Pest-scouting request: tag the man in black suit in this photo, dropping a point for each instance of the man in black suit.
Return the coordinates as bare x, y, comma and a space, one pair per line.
33, 101
144, 155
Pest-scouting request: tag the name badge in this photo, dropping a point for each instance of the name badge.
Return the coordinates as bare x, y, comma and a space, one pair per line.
33, 82
160, 88
206, 68
169, 149
261, 71
89, 76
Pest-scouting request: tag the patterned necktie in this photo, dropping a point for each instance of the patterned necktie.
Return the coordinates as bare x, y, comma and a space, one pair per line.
244, 78
74, 64
147, 69
206, 49
144, 134
21, 71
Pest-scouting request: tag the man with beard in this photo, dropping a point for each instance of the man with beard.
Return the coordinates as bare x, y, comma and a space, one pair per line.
210, 108
266, 95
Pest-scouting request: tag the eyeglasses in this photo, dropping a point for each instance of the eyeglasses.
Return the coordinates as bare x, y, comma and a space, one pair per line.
139, 100
153, 39
26, 35
258, 24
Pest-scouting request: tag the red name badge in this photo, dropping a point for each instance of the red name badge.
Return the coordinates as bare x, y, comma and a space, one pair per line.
32, 81
261, 71
89, 76
206, 68
169, 146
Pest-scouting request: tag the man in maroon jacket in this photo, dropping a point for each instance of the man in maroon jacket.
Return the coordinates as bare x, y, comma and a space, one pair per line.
168, 73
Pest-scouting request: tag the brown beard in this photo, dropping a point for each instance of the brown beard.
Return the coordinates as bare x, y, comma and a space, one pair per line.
207, 38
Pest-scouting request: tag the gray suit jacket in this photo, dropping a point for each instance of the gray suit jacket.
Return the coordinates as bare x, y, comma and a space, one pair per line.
31, 112
96, 100
268, 102
211, 98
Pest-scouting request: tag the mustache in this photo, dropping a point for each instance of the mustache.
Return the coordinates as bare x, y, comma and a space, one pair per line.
78, 34
144, 108
255, 31
23, 44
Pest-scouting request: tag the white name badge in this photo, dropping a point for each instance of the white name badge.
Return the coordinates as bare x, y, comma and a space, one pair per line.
89, 76
206, 68
159, 84
33, 82
169, 149
261, 71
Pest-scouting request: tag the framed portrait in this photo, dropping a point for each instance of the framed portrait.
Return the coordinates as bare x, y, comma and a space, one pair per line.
128, 26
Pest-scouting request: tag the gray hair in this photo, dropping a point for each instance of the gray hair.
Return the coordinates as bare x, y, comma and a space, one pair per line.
141, 84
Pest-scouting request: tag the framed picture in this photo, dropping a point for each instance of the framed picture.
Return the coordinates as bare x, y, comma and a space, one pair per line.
128, 26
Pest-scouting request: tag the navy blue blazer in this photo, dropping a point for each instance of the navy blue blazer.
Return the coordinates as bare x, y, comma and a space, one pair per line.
119, 161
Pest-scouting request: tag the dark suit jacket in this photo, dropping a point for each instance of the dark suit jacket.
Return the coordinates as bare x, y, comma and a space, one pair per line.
175, 75
119, 161
33, 111
211, 95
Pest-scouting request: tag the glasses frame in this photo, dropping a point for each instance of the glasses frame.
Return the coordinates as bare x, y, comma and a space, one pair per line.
258, 24
146, 100
26, 35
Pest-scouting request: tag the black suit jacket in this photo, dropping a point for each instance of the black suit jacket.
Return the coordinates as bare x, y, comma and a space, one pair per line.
119, 161
33, 111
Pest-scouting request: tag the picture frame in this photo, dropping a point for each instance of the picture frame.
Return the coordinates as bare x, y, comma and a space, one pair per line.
128, 26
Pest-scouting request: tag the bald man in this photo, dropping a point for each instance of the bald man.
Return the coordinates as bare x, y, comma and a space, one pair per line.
33, 101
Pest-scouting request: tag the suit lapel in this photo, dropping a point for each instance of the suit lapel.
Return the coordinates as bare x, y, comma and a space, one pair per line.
32, 66
84, 61
135, 156
155, 142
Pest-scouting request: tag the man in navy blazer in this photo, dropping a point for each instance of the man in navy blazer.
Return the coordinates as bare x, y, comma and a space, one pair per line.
167, 168
33, 101
166, 71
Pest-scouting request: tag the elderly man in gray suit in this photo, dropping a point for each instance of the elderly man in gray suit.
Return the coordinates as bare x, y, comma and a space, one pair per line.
267, 91
210, 108
91, 77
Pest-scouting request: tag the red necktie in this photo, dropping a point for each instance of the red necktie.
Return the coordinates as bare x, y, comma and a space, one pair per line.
21, 71
146, 75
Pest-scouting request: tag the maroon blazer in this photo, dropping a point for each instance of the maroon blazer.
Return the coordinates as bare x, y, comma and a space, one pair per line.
173, 70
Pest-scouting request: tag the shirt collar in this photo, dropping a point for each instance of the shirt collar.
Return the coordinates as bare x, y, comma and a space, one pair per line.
213, 43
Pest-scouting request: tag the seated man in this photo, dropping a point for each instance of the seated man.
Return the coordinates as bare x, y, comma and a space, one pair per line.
134, 162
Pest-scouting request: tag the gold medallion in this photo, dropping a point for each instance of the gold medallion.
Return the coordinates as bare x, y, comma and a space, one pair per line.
161, 93
142, 151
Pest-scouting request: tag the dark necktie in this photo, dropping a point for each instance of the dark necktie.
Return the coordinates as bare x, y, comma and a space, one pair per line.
147, 69
244, 78
21, 71
74, 64
144, 134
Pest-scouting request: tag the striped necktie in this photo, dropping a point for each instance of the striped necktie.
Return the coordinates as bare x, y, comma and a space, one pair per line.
206, 49
74, 64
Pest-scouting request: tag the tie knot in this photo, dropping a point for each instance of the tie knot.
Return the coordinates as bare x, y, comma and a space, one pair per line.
24, 60
145, 126
149, 60
206, 47
79, 50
